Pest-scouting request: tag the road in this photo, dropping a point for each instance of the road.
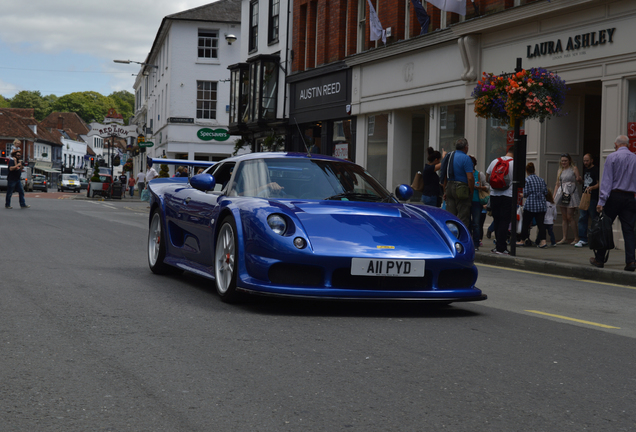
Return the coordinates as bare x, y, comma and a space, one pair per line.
91, 340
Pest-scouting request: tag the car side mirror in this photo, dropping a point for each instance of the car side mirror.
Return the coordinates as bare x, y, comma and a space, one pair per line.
203, 182
403, 192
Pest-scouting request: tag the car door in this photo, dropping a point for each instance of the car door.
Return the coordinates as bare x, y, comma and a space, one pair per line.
197, 216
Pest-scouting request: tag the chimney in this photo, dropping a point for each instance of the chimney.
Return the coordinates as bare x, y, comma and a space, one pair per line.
60, 123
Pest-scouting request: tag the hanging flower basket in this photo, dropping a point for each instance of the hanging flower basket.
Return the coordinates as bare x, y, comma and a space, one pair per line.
528, 94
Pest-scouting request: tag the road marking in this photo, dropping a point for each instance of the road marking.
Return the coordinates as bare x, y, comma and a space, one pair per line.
573, 319
556, 276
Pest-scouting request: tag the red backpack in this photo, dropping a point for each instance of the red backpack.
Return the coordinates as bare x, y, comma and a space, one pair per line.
500, 176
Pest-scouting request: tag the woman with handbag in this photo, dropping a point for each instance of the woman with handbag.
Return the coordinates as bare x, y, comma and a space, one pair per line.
431, 189
477, 205
567, 196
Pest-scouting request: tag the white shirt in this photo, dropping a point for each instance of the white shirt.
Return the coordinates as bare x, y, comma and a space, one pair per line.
141, 177
151, 173
506, 192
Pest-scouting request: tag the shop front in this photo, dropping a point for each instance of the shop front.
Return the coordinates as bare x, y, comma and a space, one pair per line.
320, 118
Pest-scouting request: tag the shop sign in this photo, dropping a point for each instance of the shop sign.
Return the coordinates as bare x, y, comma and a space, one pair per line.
573, 43
112, 130
207, 134
341, 151
328, 89
180, 120
631, 134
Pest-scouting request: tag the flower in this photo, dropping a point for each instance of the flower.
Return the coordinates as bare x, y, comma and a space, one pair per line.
527, 94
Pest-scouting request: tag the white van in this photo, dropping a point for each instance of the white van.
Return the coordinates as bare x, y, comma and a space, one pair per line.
4, 171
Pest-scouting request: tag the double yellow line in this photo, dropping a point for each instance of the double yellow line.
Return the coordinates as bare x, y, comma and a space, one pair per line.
573, 319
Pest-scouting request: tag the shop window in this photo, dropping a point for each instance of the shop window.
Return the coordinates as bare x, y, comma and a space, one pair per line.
342, 140
451, 125
377, 147
208, 44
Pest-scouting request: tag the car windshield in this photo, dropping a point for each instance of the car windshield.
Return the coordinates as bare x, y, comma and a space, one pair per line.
303, 178
70, 177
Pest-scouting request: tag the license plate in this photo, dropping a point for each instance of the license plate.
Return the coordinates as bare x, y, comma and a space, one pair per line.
387, 267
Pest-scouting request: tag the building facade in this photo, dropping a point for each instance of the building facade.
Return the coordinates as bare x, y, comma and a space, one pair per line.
182, 89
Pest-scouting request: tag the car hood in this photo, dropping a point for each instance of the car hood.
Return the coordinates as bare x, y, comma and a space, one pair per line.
371, 229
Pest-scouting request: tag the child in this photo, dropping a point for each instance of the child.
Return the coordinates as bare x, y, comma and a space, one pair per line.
550, 215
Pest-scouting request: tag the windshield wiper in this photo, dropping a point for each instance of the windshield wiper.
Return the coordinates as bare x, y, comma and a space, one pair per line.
354, 195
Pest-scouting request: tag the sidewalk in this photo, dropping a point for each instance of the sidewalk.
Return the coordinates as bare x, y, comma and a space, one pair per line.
562, 260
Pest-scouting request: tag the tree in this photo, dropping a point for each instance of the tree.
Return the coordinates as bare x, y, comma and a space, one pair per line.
32, 99
90, 106
4, 102
125, 103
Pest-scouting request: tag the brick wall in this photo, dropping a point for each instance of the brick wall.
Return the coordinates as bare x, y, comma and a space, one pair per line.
333, 24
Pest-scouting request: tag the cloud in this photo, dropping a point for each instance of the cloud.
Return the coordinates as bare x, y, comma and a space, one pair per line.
111, 30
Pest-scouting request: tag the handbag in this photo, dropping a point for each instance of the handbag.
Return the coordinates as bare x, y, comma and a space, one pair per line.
484, 197
418, 182
462, 191
565, 199
585, 201
600, 236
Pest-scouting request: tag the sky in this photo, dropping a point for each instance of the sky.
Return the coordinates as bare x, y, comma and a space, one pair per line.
64, 46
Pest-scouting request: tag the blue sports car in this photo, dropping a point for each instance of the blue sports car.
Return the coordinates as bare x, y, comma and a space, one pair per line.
310, 226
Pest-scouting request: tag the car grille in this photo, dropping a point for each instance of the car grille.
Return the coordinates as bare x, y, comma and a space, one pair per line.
455, 278
296, 275
342, 278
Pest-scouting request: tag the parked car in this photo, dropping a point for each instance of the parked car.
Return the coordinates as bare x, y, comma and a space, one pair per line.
83, 184
106, 182
69, 182
4, 171
40, 183
27, 183
312, 226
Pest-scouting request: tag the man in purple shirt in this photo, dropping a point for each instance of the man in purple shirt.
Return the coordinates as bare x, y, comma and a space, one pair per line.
616, 197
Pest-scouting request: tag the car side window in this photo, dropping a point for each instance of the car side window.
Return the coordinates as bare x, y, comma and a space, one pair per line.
222, 174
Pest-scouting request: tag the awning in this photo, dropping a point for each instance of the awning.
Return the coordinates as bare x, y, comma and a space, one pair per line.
43, 165
50, 170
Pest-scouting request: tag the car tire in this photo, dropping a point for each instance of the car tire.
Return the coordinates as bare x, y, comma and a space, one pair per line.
226, 261
157, 245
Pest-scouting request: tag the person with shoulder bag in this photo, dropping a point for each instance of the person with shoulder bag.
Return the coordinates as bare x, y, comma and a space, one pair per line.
459, 183
477, 203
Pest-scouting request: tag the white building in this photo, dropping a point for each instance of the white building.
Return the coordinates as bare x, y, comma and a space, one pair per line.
73, 155
182, 91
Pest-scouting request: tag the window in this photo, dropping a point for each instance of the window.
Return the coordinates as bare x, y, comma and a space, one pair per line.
208, 44
362, 24
253, 42
274, 19
239, 92
206, 99
254, 90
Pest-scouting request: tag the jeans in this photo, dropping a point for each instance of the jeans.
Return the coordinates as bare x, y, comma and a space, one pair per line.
430, 200
15, 185
475, 221
584, 216
132, 190
527, 221
623, 205
501, 207
140, 188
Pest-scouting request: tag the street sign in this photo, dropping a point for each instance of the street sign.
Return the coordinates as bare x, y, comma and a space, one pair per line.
146, 144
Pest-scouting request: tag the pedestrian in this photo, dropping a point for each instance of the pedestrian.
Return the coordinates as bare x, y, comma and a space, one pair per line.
181, 172
567, 196
550, 215
616, 198
590, 186
534, 192
14, 180
430, 179
500, 170
151, 173
131, 186
459, 182
476, 207
141, 179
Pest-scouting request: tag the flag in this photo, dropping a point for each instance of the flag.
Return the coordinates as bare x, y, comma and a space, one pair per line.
423, 18
457, 6
375, 27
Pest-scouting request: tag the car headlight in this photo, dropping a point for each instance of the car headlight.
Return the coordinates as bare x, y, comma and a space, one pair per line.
452, 226
277, 224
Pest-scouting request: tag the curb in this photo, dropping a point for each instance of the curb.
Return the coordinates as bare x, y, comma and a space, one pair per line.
551, 267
